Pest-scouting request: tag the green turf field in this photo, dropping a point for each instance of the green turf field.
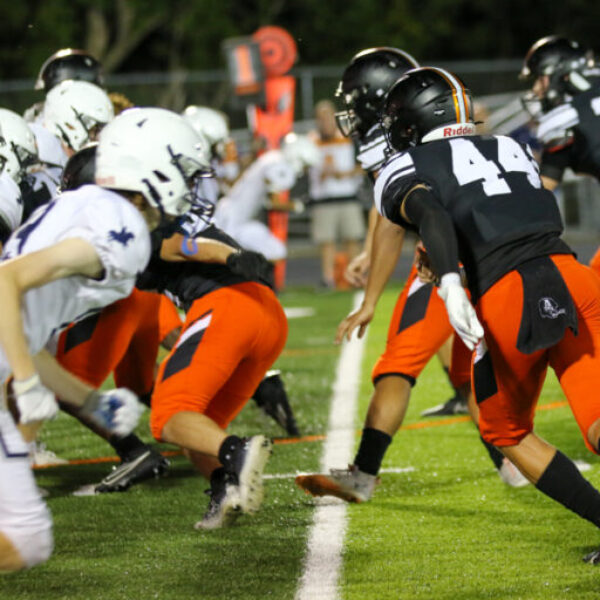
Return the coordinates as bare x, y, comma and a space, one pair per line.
447, 528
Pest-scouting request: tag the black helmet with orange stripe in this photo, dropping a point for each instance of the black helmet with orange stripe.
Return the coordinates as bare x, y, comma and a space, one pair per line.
426, 104
364, 84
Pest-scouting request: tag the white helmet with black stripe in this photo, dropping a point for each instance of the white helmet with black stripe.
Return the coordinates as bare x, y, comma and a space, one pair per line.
75, 111
155, 152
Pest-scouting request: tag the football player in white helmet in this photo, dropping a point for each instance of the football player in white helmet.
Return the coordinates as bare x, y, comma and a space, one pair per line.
258, 187
75, 111
17, 153
71, 258
213, 124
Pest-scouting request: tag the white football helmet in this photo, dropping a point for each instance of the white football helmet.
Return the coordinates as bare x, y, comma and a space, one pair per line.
209, 122
155, 152
300, 152
18, 149
75, 111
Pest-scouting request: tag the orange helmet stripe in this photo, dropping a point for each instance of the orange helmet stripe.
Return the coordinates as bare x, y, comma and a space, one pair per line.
459, 95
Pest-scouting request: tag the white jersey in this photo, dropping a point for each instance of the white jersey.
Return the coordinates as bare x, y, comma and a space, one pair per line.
11, 204
118, 233
269, 173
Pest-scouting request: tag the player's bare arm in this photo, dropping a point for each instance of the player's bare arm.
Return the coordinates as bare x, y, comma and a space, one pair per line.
387, 244
180, 248
67, 258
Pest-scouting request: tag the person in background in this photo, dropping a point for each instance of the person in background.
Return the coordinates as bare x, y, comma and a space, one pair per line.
336, 214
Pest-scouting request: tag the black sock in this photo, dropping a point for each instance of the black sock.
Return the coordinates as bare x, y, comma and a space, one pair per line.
564, 483
228, 450
127, 447
495, 454
218, 477
373, 446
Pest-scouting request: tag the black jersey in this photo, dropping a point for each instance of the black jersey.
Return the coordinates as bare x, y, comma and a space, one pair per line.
187, 281
570, 135
491, 187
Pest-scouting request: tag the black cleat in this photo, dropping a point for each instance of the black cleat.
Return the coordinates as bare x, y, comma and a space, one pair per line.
457, 405
593, 558
147, 465
272, 399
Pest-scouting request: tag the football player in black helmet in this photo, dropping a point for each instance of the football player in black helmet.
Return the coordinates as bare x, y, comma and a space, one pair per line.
418, 329
69, 63
364, 84
566, 83
480, 200
559, 68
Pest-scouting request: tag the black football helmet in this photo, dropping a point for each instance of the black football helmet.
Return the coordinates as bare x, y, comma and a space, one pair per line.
426, 104
564, 61
80, 168
69, 63
364, 84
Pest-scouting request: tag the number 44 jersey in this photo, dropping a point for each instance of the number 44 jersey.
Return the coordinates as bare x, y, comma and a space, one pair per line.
490, 186
120, 237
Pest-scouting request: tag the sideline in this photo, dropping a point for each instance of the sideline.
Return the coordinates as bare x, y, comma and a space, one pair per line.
323, 559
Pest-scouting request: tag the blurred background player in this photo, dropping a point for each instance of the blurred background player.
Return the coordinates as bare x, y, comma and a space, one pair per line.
214, 125
257, 189
335, 210
419, 324
565, 86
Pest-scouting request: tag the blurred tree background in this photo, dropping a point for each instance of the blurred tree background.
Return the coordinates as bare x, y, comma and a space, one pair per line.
183, 36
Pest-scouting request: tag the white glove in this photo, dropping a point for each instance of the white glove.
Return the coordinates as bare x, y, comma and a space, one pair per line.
460, 311
117, 410
35, 401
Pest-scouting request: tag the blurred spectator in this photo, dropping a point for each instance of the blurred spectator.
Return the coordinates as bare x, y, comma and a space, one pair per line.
333, 184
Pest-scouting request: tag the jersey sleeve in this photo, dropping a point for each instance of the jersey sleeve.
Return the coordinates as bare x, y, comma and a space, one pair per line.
117, 232
396, 178
555, 128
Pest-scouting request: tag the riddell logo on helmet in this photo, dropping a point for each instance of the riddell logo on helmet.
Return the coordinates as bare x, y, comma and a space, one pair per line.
460, 130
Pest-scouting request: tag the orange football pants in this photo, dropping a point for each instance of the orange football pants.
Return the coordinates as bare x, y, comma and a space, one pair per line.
230, 338
168, 317
507, 383
123, 338
418, 328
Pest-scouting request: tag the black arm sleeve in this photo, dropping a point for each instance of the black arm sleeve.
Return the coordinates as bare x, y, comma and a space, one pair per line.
435, 229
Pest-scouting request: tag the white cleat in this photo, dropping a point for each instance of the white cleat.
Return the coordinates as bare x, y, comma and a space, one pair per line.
511, 475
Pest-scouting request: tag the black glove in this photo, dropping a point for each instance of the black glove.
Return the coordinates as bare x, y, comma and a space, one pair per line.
250, 265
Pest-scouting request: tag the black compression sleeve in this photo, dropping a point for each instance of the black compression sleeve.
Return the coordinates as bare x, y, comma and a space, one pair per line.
435, 229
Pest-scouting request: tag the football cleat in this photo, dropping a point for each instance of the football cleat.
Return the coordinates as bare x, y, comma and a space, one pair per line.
147, 465
272, 399
593, 558
511, 475
249, 463
457, 405
351, 484
40, 456
224, 506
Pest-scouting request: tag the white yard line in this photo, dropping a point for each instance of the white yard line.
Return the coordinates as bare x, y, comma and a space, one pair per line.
325, 540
